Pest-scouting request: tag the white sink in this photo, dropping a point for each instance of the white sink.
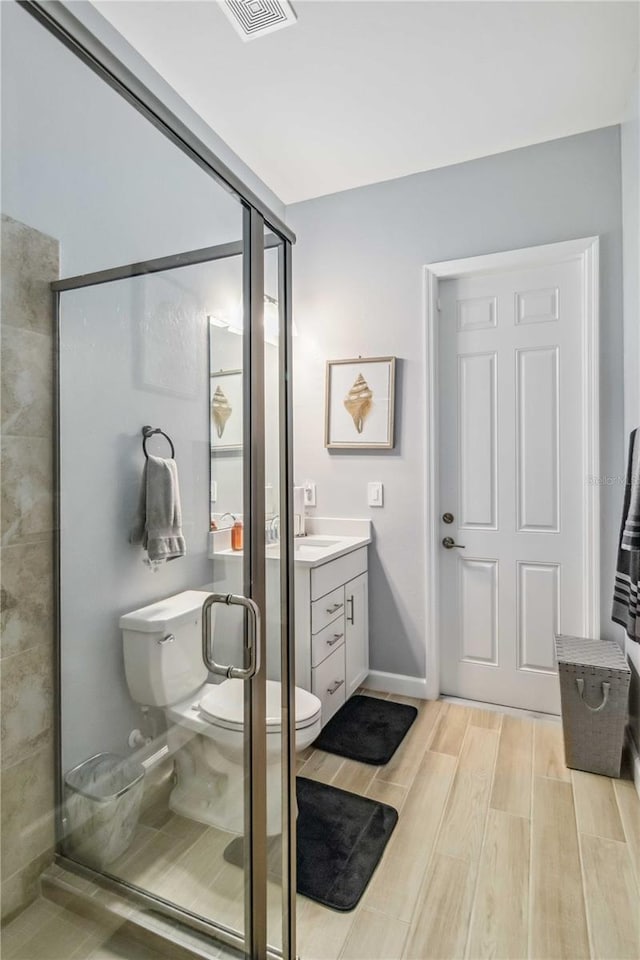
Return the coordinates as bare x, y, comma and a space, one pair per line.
314, 542
303, 544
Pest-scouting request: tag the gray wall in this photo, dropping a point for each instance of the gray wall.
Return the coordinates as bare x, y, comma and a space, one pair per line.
131, 352
357, 290
82, 166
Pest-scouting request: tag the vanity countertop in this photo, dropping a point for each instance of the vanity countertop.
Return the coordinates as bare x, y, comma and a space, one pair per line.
320, 549
313, 550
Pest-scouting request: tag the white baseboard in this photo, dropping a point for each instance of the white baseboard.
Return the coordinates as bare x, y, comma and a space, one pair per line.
635, 760
397, 683
500, 708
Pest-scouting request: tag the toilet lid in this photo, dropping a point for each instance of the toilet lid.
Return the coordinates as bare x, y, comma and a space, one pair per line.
224, 705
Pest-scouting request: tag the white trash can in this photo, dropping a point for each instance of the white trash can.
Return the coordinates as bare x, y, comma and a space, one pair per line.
102, 799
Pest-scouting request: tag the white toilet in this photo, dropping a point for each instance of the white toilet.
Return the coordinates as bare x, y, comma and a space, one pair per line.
164, 668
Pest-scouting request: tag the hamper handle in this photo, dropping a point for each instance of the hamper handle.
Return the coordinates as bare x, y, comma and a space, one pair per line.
605, 694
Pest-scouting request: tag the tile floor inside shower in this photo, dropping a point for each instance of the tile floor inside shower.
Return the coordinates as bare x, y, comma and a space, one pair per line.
500, 851
48, 930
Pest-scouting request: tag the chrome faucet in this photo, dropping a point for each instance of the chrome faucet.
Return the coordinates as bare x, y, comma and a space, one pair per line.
272, 530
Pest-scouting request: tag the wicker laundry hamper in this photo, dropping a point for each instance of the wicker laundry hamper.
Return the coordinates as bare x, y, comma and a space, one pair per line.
594, 691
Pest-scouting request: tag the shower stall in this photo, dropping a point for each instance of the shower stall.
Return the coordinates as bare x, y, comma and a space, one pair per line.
171, 341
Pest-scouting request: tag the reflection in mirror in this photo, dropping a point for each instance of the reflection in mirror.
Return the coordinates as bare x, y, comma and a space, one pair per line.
227, 520
226, 394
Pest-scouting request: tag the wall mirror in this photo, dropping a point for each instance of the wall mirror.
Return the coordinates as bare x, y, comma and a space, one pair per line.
226, 338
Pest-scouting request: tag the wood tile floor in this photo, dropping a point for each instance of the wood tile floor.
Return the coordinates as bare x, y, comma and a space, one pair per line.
47, 931
500, 852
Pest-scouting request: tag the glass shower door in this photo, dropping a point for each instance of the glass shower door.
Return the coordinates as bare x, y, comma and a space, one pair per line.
160, 776
180, 346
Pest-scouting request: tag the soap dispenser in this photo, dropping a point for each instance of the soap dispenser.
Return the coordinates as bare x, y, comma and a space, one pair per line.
237, 535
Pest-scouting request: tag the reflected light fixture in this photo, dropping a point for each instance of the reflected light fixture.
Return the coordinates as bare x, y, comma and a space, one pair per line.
217, 321
271, 320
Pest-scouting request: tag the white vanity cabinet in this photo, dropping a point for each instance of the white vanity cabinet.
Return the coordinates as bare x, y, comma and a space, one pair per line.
332, 629
356, 645
331, 607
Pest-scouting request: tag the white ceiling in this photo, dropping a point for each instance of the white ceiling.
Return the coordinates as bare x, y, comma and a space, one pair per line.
359, 91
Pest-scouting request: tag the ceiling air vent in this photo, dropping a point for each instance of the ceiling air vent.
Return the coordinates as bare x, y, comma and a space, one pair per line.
255, 18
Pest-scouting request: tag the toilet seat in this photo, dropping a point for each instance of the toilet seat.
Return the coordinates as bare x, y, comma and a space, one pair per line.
223, 706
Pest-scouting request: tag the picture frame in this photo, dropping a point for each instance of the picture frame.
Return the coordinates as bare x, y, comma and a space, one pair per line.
225, 408
360, 404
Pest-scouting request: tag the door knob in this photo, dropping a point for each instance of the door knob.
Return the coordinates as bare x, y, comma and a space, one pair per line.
449, 543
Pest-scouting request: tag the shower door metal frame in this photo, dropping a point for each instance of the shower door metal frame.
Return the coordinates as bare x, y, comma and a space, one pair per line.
254, 238
60, 22
253, 453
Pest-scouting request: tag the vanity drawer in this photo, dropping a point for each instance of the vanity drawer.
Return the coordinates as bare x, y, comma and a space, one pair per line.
328, 640
326, 609
328, 683
330, 575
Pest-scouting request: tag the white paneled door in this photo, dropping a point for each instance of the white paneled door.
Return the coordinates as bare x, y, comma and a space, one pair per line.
512, 481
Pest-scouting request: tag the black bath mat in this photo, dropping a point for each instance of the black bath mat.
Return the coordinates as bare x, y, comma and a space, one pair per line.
367, 729
341, 837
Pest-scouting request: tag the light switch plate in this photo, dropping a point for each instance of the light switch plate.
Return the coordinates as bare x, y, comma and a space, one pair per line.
309, 494
213, 496
375, 491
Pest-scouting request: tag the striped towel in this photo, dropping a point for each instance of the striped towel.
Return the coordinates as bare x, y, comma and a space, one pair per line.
626, 611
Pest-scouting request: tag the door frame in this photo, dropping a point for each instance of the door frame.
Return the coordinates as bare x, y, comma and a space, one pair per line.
586, 252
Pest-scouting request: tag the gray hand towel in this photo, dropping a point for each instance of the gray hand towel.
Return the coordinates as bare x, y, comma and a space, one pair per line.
158, 522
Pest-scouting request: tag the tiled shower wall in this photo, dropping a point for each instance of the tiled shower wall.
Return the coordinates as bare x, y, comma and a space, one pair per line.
29, 262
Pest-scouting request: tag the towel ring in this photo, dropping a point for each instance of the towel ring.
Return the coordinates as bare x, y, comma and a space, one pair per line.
149, 432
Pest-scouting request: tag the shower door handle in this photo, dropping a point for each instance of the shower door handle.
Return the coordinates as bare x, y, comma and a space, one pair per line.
254, 636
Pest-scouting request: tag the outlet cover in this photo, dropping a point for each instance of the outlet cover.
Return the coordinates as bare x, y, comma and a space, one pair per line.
309, 494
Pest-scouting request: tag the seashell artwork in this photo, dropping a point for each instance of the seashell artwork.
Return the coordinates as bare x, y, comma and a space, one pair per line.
367, 405
359, 401
221, 410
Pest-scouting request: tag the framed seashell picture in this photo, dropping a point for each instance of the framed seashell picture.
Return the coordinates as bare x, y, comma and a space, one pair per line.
359, 411
226, 410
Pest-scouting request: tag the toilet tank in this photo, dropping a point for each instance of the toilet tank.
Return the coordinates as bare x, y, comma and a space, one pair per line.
163, 649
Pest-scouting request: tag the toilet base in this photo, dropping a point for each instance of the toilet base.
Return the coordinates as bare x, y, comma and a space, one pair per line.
190, 803
210, 788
